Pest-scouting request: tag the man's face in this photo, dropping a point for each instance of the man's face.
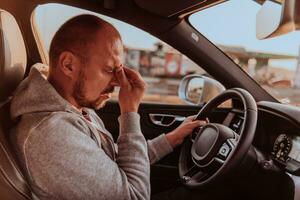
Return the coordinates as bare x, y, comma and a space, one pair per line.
96, 79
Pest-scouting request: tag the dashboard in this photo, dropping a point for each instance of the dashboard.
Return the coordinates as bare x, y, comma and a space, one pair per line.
234, 120
277, 133
294, 149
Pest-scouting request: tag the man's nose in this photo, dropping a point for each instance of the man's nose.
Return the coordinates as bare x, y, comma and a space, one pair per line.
114, 81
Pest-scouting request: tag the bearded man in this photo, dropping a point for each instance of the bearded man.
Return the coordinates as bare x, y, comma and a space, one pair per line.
63, 145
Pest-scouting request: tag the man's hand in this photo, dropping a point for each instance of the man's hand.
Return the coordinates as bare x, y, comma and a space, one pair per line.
177, 136
132, 88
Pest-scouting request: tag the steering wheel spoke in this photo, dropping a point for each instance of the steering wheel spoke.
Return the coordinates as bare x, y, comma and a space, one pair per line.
193, 173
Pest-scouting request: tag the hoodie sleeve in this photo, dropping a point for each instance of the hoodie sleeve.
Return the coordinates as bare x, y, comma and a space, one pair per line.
64, 162
158, 148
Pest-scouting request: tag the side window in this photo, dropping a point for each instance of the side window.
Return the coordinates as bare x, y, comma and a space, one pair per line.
161, 66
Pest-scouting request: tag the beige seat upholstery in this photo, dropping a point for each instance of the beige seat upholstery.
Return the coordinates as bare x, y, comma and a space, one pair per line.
12, 68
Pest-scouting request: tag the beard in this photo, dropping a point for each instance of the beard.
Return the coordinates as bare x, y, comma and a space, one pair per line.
83, 101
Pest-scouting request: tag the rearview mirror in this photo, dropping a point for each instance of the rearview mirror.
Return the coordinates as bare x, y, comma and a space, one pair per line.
274, 19
197, 89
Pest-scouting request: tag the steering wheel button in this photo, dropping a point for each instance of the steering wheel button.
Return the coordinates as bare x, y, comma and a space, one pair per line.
224, 151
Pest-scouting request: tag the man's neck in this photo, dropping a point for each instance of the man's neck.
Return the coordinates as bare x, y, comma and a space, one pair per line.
64, 94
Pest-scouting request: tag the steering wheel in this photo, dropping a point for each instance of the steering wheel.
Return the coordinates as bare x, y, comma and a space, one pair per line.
217, 149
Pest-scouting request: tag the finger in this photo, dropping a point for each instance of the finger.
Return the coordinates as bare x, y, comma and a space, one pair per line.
197, 123
134, 78
190, 118
207, 120
131, 74
121, 77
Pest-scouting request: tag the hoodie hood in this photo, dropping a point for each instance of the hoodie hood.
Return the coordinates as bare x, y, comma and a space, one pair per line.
36, 94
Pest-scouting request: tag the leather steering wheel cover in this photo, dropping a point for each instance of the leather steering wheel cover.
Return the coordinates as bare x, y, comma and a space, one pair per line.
245, 139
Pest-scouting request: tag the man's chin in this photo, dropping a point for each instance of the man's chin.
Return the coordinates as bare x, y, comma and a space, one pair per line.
96, 104
101, 104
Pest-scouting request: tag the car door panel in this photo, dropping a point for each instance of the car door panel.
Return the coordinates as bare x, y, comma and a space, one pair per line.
110, 113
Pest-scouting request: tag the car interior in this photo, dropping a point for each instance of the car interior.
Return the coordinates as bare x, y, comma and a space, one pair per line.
257, 132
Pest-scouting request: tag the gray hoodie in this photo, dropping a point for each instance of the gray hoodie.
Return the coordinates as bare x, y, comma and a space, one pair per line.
64, 155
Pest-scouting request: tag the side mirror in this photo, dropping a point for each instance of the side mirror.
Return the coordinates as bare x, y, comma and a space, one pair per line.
197, 89
274, 19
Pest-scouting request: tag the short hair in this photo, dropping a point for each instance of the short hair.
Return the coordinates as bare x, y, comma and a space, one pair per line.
78, 34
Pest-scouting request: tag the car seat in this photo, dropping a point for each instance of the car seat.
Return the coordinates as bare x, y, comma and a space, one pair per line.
13, 185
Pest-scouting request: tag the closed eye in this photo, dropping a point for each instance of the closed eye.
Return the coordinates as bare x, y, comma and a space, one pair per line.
110, 70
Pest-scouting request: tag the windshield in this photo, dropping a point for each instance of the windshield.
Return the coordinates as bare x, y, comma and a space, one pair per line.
274, 63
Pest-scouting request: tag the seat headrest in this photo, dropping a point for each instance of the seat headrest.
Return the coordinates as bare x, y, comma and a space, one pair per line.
13, 55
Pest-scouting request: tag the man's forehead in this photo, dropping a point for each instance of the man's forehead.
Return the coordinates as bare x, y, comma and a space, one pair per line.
108, 43
108, 53
108, 34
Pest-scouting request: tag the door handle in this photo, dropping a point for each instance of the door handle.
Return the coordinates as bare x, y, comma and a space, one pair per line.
165, 119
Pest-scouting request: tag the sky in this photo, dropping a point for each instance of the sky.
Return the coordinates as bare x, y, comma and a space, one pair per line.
230, 23
48, 21
234, 23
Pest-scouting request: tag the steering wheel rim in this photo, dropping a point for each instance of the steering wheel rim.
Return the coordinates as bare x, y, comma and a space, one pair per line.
240, 143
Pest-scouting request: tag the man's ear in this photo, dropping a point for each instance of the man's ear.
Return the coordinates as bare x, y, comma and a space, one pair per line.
68, 64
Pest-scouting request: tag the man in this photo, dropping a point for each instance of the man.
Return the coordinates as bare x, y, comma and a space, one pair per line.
63, 145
